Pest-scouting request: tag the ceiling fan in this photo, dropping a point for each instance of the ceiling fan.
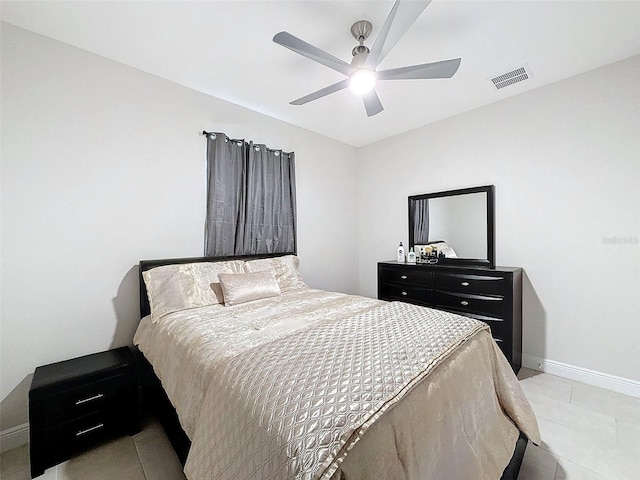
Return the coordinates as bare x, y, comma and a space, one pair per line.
362, 69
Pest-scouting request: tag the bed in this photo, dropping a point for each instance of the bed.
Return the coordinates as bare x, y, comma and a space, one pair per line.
256, 375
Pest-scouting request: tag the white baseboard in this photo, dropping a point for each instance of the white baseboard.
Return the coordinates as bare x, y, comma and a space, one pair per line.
622, 385
14, 437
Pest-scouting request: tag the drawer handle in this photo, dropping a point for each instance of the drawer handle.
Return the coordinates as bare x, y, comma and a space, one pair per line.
88, 430
404, 294
90, 399
465, 284
403, 277
464, 302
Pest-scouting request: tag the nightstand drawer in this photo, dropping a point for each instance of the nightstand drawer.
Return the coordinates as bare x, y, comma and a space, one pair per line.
478, 304
70, 437
464, 283
73, 403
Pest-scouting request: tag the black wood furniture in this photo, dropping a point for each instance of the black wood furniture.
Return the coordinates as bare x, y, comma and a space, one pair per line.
493, 295
78, 403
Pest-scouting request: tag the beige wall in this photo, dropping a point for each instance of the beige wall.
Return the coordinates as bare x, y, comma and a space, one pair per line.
102, 166
565, 161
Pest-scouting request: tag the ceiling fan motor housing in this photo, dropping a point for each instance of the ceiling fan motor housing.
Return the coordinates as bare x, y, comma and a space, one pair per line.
359, 49
361, 31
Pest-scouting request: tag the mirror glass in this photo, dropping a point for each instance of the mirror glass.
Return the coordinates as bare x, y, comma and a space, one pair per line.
459, 222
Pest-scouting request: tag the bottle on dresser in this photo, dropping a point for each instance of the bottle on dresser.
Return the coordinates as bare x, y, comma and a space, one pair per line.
400, 257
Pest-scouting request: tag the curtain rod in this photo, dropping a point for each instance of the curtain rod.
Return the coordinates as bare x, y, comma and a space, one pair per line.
205, 133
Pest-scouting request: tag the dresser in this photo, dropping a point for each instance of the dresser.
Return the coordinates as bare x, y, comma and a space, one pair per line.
493, 295
80, 402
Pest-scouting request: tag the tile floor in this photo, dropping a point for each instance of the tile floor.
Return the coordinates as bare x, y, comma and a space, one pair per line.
145, 456
587, 434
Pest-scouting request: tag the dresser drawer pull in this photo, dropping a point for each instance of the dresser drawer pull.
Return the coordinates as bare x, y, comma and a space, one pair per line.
404, 294
88, 430
90, 399
403, 277
465, 284
464, 302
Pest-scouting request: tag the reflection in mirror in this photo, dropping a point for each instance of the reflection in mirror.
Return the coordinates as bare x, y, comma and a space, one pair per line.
460, 222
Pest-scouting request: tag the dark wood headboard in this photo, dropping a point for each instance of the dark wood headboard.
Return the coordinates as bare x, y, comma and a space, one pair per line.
149, 264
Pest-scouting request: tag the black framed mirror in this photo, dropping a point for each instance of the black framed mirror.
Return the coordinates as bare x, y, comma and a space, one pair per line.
459, 222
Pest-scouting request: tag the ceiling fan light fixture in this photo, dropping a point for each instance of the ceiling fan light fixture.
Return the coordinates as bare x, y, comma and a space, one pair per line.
362, 81
361, 72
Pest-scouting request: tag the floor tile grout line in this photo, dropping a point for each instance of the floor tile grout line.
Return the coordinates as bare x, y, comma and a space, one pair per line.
144, 471
557, 457
571, 395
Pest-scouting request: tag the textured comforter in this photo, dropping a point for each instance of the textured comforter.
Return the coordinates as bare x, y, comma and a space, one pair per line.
288, 387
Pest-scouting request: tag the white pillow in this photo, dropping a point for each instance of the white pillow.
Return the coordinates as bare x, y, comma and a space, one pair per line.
172, 288
284, 268
247, 287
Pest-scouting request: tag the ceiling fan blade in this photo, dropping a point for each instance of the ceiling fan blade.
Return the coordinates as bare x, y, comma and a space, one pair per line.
372, 103
401, 17
314, 53
336, 87
442, 69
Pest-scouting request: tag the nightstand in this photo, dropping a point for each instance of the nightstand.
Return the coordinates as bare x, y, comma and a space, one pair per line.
78, 403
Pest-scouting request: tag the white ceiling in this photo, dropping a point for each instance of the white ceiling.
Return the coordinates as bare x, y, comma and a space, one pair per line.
225, 49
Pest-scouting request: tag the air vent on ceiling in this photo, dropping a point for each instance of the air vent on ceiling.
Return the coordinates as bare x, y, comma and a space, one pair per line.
509, 78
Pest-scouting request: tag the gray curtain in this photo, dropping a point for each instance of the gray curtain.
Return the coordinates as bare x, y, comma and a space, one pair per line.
420, 215
251, 198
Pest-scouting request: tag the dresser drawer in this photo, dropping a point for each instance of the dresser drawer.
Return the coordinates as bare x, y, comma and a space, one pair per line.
413, 275
500, 329
73, 403
464, 283
461, 302
410, 293
504, 345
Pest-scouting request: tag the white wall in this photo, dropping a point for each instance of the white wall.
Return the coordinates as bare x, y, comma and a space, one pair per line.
102, 166
565, 161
